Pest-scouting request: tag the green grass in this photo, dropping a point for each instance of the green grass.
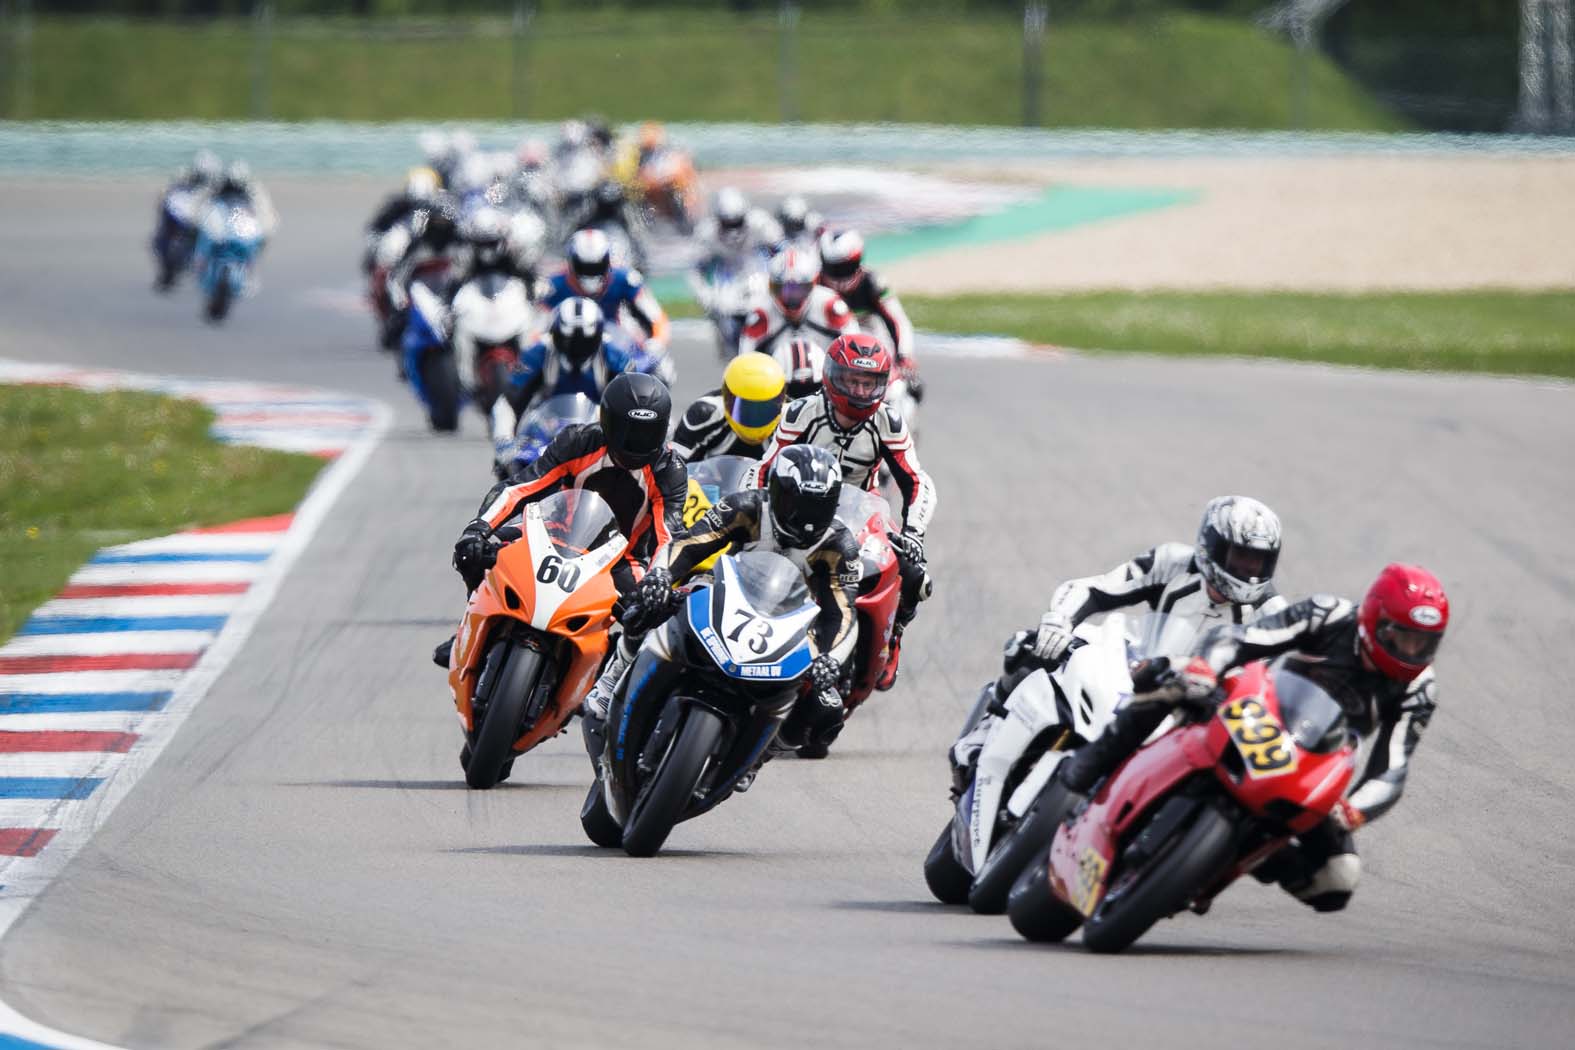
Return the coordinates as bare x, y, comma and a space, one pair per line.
1170, 71
80, 471
1513, 333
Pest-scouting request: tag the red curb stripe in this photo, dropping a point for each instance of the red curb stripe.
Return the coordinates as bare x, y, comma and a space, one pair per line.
276, 523
144, 590
327, 453
61, 740
24, 842
108, 662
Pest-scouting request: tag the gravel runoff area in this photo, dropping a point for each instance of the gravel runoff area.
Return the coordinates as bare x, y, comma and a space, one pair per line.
1338, 224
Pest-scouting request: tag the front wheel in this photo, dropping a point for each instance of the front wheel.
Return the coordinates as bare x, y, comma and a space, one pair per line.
218, 305
1036, 912
503, 711
440, 380
664, 799
943, 872
1161, 890
1016, 850
597, 819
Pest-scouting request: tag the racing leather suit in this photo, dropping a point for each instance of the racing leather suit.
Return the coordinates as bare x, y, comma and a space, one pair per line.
761, 234
1320, 635
704, 432
542, 372
1164, 578
625, 291
883, 439
647, 503
825, 317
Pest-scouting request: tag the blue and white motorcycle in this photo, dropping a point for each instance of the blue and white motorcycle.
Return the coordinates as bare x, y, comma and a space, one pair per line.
175, 239
429, 358
704, 699
228, 241
518, 450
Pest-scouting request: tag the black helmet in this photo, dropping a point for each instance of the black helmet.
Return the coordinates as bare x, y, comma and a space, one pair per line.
635, 408
801, 494
577, 327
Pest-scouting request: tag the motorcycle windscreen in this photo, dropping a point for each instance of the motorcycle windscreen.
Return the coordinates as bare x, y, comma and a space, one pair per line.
577, 521
1160, 634
772, 585
720, 475
1314, 718
543, 422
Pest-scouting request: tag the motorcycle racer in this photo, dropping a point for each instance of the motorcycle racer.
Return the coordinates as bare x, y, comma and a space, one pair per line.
849, 417
1374, 657
188, 188
576, 355
801, 225
1225, 576
737, 418
842, 270
794, 516
733, 233
795, 306
616, 289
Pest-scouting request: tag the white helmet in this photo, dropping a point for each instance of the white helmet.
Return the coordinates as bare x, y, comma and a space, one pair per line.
1238, 547
731, 209
590, 260
792, 273
205, 167
841, 258
527, 239
434, 146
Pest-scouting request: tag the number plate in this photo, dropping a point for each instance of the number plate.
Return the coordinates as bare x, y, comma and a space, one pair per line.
1259, 737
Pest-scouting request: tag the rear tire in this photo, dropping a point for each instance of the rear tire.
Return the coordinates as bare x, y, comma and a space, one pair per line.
672, 786
1197, 858
218, 305
440, 380
943, 872
597, 819
1036, 912
1017, 850
492, 750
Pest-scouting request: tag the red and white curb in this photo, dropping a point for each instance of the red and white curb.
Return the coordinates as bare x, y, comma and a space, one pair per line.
96, 683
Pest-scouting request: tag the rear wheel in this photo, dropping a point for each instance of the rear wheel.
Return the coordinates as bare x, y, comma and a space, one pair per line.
597, 819
503, 710
1017, 849
1036, 912
1165, 886
440, 380
218, 304
665, 798
943, 872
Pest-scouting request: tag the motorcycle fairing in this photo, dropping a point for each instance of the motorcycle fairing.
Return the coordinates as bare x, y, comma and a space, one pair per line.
732, 652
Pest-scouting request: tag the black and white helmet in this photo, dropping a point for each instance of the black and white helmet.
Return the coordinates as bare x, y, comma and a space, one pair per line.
1238, 547
801, 494
732, 215
577, 328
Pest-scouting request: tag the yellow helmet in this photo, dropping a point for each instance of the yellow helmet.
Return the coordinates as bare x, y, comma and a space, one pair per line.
753, 389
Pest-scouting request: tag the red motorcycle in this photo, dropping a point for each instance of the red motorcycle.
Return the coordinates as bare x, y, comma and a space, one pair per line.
1191, 812
868, 517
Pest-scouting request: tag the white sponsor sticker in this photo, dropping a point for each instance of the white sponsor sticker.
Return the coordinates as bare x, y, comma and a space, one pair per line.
1427, 616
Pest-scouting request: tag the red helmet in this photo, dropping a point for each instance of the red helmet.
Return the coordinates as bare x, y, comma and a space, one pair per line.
1402, 620
857, 369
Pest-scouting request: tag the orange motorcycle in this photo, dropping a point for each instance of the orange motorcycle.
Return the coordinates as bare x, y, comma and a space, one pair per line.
535, 633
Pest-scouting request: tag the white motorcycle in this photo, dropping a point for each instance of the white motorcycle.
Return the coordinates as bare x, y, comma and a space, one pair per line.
492, 320
999, 824
727, 296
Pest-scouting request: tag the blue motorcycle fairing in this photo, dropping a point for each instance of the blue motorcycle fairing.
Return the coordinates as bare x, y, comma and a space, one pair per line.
792, 664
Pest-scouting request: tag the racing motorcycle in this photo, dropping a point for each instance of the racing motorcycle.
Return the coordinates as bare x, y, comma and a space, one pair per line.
492, 316
429, 358
535, 632
727, 294
536, 430
669, 188
228, 241
715, 683
1191, 812
176, 239
388, 295
998, 827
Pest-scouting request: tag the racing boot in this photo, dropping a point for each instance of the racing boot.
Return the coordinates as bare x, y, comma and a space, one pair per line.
1098, 758
444, 653
599, 700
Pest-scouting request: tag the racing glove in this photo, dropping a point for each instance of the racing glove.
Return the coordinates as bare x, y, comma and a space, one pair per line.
1161, 681
910, 545
648, 604
1052, 639
473, 552
1347, 816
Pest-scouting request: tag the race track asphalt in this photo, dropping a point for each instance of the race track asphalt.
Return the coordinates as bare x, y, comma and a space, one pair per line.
304, 868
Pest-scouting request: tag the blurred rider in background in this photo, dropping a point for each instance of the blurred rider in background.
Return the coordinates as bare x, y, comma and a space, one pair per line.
734, 236
420, 188
237, 187
737, 418
578, 354
800, 224
497, 243
180, 208
619, 291
842, 270
795, 306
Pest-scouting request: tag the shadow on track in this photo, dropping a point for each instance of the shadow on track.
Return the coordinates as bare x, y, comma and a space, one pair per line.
428, 785
562, 850
1197, 951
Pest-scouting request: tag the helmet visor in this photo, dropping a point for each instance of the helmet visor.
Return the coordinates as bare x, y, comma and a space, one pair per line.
1249, 563
861, 387
793, 294
751, 415
640, 442
1408, 645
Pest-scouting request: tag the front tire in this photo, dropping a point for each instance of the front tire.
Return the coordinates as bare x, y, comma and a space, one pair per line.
1016, 851
218, 305
492, 750
943, 872
1197, 858
440, 380
597, 819
1036, 912
667, 795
